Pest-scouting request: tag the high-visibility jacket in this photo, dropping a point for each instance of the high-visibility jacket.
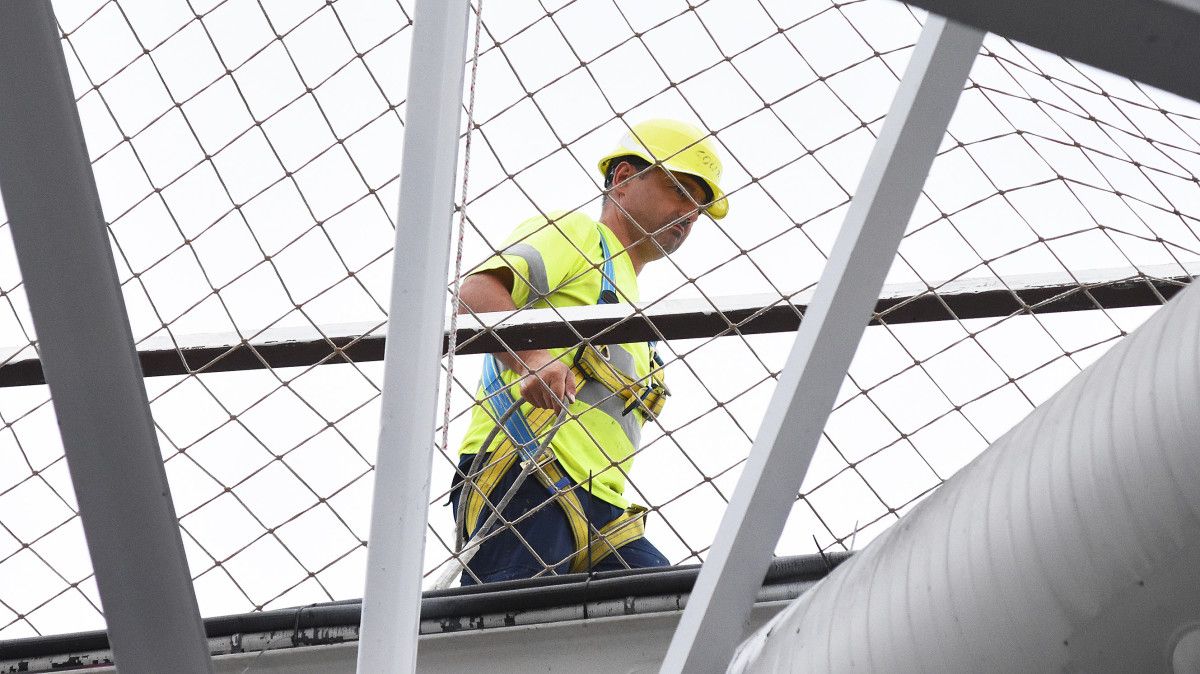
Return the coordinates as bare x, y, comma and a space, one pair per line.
560, 262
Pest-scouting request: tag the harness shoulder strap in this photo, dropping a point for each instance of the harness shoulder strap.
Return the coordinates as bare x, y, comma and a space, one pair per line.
521, 438
608, 291
499, 398
652, 396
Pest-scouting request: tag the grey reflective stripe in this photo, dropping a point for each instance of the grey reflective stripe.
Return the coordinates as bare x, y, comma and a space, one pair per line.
622, 360
537, 267
599, 397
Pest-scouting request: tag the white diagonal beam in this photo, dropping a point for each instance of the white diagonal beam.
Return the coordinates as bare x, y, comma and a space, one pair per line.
716, 613
412, 355
88, 355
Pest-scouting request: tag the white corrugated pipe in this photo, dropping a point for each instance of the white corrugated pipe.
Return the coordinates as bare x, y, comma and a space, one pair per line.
1071, 544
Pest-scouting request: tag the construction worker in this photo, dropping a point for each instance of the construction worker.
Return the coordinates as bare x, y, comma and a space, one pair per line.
569, 419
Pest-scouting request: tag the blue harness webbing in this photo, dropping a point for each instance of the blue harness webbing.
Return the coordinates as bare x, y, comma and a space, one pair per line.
608, 291
627, 527
608, 295
500, 399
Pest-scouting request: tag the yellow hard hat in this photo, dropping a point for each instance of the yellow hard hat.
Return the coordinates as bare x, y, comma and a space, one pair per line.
678, 147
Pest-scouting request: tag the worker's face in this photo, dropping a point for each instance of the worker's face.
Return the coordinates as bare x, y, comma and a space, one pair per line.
662, 205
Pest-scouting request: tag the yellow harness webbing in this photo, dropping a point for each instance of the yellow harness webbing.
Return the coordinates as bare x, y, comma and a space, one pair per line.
591, 546
595, 364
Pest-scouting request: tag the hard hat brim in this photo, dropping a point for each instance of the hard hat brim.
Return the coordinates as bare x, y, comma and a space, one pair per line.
717, 209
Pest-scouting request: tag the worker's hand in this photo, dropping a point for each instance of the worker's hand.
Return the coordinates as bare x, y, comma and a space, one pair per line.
548, 383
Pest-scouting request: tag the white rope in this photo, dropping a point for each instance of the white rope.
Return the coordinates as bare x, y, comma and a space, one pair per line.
456, 301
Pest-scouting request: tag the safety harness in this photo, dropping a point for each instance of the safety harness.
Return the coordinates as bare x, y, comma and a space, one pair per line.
526, 437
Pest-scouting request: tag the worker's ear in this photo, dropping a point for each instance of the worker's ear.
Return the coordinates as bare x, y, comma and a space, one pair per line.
623, 173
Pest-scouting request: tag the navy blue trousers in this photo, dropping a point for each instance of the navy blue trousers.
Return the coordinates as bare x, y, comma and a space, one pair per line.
546, 531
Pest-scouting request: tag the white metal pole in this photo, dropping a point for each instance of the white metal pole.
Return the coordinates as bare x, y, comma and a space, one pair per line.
719, 606
391, 608
88, 355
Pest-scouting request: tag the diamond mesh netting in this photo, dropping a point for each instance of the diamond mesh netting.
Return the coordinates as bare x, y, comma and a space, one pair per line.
247, 153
